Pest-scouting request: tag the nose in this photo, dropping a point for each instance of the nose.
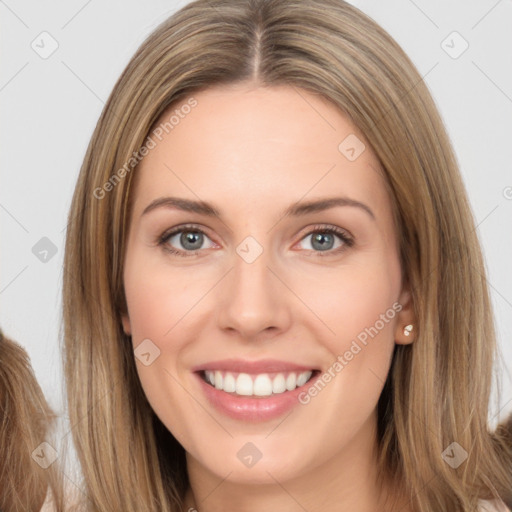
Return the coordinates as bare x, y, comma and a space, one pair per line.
253, 299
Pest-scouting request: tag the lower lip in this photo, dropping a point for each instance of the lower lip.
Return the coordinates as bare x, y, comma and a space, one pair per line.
255, 408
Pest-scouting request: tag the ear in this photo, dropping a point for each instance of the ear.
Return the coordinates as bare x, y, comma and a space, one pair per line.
125, 320
405, 317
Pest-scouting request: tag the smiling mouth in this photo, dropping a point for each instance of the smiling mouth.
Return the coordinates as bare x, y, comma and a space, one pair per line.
257, 385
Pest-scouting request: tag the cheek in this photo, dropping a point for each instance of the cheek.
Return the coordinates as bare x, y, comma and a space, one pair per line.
360, 307
356, 302
161, 309
156, 308
157, 297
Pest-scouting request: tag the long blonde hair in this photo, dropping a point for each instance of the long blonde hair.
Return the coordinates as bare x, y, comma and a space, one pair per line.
29, 473
438, 388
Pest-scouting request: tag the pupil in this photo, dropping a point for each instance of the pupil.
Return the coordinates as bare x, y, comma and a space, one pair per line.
191, 237
321, 239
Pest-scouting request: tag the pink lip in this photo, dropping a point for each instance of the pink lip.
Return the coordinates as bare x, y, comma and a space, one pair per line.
252, 367
252, 409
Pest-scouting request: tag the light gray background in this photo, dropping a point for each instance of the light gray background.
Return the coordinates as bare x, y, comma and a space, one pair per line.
50, 108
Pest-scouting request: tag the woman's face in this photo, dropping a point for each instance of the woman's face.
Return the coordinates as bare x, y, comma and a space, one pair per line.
258, 300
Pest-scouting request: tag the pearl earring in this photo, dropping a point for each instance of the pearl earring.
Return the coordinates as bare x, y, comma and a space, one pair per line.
408, 329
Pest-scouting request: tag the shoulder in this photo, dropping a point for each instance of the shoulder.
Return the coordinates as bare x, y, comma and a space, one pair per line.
48, 503
492, 506
71, 501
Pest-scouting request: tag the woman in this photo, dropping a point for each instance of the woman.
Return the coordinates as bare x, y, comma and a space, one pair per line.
29, 476
249, 371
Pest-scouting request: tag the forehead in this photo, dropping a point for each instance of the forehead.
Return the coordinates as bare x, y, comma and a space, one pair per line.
257, 146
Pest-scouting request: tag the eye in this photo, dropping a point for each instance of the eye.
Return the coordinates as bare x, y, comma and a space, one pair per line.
324, 240
191, 238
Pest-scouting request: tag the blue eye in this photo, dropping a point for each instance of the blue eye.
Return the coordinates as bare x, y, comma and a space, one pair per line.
192, 239
323, 239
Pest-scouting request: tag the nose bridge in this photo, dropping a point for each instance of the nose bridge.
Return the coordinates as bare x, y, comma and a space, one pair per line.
253, 299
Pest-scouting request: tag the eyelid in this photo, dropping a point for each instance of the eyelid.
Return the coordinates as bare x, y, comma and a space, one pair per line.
166, 235
342, 232
344, 235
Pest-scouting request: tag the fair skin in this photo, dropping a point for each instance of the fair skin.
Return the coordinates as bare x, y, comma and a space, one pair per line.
252, 152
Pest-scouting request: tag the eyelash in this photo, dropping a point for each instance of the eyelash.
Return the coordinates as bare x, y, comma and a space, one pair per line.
342, 234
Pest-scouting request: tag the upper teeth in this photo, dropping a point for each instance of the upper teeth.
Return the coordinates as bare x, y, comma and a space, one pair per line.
256, 385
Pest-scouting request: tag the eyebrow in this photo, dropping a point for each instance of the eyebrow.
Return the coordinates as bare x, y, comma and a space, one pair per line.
295, 210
